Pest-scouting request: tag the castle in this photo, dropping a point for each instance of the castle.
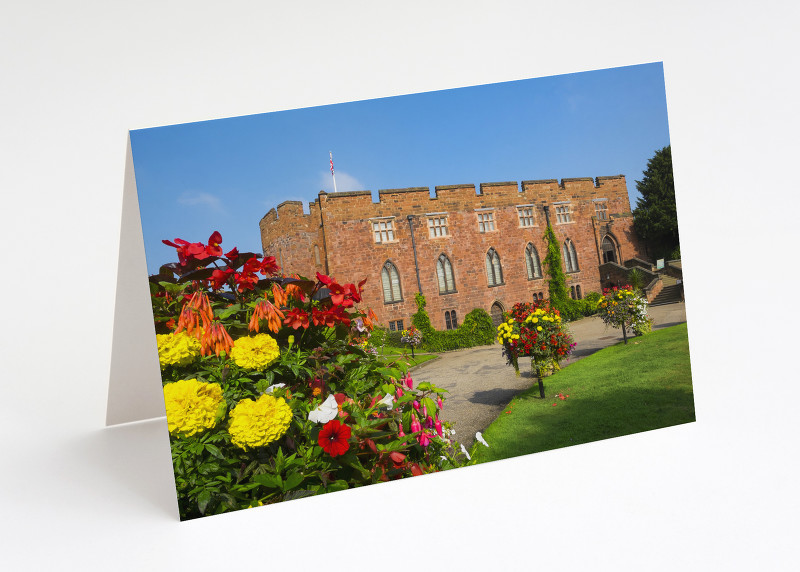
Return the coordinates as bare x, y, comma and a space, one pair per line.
461, 249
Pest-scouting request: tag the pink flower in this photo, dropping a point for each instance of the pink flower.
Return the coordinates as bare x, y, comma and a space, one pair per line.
438, 425
416, 405
424, 439
409, 381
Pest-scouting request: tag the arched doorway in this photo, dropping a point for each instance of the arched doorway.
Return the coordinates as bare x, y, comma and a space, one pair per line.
609, 248
497, 314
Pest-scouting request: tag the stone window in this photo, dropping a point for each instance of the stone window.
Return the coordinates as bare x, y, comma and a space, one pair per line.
383, 230
485, 221
437, 225
316, 254
450, 319
525, 213
609, 249
396, 326
494, 271
570, 256
532, 262
391, 284
444, 273
563, 214
601, 210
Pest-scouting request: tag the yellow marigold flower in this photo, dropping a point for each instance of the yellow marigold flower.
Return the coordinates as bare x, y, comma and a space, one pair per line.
177, 349
259, 423
538, 328
255, 352
192, 406
535, 320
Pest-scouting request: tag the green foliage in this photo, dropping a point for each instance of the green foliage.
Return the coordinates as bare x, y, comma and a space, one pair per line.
655, 217
557, 280
593, 298
636, 279
572, 310
476, 330
384, 337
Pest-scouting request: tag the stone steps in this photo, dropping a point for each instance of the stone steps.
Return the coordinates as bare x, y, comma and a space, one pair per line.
668, 295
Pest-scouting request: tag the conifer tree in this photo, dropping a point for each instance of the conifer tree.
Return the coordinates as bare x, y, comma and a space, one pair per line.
655, 217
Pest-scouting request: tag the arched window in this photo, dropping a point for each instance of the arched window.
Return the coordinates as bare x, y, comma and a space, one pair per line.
494, 272
391, 284
444, 272
569, 256
609, 248
532, 262
450, 319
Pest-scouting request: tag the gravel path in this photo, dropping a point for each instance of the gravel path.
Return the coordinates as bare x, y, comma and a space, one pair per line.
480, 384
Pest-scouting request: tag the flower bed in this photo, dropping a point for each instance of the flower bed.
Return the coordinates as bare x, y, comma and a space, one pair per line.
272, 392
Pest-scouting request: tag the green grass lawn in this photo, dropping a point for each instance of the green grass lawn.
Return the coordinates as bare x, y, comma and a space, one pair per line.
623, 389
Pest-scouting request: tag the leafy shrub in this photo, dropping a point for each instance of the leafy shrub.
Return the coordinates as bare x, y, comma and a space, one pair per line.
385, 337
476, 330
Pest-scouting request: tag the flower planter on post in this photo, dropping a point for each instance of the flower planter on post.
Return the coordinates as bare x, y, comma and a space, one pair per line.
538, 333
412, 336
623, 308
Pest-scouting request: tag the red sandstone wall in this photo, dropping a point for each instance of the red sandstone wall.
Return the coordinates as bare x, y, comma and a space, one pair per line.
290, 236
353, 254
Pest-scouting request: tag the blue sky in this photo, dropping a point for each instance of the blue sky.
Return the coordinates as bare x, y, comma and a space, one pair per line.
226, 174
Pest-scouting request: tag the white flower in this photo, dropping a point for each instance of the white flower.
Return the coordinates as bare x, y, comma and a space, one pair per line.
388, 401
271, 388
464, 450
325, 412
479, 437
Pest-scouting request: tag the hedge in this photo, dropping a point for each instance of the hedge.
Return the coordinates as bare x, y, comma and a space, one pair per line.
476, 330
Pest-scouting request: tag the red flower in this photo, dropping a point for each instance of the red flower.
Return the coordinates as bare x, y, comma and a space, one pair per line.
296, 318
186, 250
196, 250
213, 248
220, 277
333, 438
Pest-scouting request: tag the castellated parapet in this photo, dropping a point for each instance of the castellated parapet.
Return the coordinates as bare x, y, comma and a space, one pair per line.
455, 233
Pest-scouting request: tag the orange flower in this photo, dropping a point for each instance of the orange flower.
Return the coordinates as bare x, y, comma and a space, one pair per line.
294, 291
216, 339
279, 295
264, 310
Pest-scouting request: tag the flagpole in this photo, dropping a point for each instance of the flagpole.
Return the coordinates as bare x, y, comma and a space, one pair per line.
332, 173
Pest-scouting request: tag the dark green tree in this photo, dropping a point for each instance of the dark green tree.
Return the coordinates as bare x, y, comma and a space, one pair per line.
655, 217
557, 283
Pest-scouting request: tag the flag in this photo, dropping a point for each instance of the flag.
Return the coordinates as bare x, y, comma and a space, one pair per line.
331, 163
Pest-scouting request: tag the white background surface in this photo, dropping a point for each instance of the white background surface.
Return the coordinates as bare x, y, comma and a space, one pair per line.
717, 494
